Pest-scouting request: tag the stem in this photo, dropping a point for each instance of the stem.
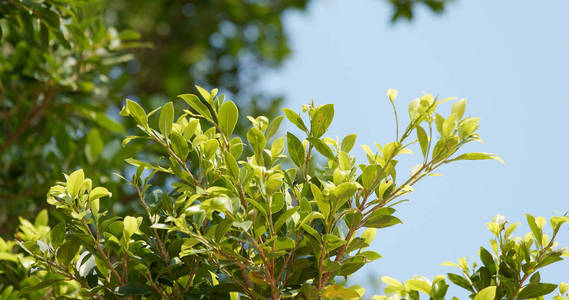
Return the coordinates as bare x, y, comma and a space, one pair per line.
103, 254
538, 258
396, 120
191, 276
162, 249
307, 162
179, 160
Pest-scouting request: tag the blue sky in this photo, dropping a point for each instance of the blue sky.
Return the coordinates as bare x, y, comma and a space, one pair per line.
510, 59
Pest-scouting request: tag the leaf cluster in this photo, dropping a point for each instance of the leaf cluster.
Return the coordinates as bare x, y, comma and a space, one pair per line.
276, 223
510, 271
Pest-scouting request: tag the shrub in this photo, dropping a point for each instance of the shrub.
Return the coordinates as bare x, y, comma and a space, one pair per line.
246, 220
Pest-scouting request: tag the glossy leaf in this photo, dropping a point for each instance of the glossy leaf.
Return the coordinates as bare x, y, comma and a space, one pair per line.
166, 119
228, 114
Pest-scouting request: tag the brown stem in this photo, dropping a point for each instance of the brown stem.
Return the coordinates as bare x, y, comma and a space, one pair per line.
105, 257
339, 257
191, 276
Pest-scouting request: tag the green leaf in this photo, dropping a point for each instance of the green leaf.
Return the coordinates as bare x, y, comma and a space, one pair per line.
256, 140
166, 119
228, 115
448, 125
458, 108
418, 285
295, 150
534, 229
423, 139
67, 251
322, 148
57, 234
369, 235
236, 147
536, 289
74, 182
284, 217
137, 112
245, 225
232, 165
320, 200
477, 156
130, 225
94, 145
343, 192
460, 281
338, 291
273, 127
284, 243
277, 147
195, 103
381, 221
348, 142
295, 119
99, 192
205, 94
179, 145
369, 176
42, 218
488, 260
321, 120
486, 294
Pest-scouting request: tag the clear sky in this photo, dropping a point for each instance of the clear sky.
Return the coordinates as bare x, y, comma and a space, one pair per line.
509, 58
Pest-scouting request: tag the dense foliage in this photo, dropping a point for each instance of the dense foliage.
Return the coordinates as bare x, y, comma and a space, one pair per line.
268, 218
66, 66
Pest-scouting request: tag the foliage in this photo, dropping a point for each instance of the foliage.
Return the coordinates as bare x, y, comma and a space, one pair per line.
18, 278
405, 8
65, 68
510, 271
259, 225
54, 84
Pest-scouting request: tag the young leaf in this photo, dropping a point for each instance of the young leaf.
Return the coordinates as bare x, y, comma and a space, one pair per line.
228, 114
477, 156
295, 119
486, 294
195, 103
74, 182
423, 139
137, 112
179, 145
322, 148
99, 192
458, 108
338, 291
256, 140
321, 120
534, 228
348, 142
273, 127
166, 119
